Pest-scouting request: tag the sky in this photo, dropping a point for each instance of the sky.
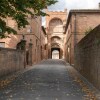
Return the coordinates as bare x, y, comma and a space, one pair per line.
73, 4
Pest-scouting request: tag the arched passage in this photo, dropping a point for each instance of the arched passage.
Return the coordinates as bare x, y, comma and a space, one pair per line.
55, 39
55, 53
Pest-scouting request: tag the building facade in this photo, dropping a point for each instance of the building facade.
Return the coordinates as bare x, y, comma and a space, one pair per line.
32, 37
44, 48
78, 25
55, 26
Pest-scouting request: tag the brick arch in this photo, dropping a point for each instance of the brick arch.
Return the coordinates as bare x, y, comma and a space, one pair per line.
53, 45
54, 15
55, 18
55, 26
55, 53
56, 37
56, 46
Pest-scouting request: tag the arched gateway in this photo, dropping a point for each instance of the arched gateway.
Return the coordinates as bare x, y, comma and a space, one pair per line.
55, 23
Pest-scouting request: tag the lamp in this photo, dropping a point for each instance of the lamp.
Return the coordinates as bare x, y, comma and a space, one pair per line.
0, 30
23, 36
30, 40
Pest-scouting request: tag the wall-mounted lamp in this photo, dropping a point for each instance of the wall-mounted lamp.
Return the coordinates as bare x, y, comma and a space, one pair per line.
0, 30
23, 36
30, 40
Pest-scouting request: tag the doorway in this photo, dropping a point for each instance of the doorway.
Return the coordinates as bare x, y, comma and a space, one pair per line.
55, 53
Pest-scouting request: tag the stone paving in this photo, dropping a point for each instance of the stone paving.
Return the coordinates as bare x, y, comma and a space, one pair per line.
49, 80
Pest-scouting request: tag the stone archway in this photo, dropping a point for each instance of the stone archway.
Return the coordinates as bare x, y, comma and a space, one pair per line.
55, 24
56, 37
55, 53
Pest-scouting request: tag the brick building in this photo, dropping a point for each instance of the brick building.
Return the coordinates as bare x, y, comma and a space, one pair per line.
55, 25
44, 48
31, 34
79, 23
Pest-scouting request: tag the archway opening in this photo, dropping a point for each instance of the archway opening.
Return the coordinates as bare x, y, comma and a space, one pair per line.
55, 53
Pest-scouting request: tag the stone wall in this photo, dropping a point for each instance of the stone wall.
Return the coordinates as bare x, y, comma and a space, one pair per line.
11, 60
87, 56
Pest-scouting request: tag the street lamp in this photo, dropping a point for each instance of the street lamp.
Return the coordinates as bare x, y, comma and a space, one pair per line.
23, 43
23, 36
0, 30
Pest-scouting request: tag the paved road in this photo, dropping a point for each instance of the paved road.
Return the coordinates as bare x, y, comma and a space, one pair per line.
49, 80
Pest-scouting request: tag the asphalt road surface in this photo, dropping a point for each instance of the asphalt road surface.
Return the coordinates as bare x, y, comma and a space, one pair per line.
49, 80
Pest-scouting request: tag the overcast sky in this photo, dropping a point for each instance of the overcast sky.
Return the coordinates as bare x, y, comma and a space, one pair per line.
74, 4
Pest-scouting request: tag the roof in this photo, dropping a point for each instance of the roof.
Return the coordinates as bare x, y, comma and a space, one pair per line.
75, 11
84, 10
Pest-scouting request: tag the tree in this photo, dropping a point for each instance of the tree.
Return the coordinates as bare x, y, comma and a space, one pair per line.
18, 10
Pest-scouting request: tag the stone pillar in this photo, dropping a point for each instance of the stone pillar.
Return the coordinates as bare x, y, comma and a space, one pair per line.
30, 54
23, 47
49, 53
49, 50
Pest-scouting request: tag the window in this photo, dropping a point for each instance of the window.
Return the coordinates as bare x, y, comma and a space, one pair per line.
29, 29
2, 44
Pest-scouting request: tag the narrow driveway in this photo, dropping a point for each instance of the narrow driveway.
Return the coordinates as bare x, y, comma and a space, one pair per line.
49, 80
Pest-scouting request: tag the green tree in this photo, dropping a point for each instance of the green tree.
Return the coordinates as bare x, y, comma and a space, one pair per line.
18, 10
